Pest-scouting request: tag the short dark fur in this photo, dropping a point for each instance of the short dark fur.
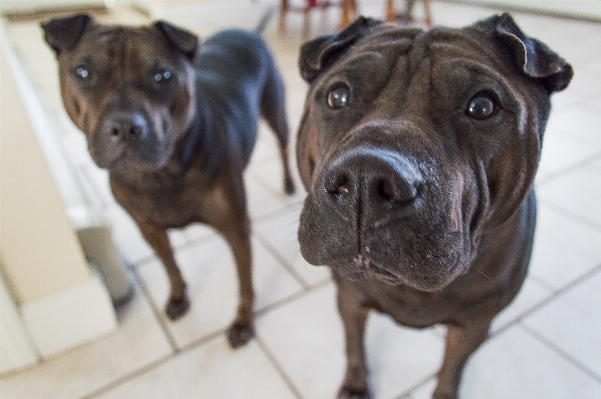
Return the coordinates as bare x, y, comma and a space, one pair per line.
174, 122
420, 191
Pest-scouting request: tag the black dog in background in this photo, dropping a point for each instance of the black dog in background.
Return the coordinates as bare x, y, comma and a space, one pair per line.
174, 122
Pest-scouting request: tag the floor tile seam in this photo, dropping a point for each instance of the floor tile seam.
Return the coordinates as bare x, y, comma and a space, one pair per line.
212, 335
189, 243
541, 282
256, 314
569, 214
408, 394
158, 313
282, 260
575, 138
292, 297
261, 181
580, 164
129, 376
278, 212
560, 351
555, 290
555, 294
279, 368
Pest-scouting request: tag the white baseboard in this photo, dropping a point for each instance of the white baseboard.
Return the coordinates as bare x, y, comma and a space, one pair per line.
69, 318
16, 351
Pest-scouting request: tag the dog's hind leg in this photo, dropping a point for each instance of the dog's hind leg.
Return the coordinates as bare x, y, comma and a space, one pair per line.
178, 303
461, 342
273, 109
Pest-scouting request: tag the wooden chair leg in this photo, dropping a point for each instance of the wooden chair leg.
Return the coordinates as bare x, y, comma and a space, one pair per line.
427, 13
283, 11
390, 11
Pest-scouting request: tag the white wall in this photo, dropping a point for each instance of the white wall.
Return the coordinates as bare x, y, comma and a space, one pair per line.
61, 302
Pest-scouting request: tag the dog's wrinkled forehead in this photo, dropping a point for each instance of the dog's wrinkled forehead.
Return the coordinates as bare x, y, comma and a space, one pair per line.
121, 45
497, 39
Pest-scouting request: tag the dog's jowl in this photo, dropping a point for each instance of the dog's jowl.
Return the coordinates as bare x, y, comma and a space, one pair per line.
174, 122
418, 150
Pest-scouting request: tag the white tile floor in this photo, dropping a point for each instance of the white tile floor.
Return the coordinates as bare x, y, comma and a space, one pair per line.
545, 345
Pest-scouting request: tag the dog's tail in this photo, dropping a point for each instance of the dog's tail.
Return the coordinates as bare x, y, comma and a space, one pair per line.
265, 20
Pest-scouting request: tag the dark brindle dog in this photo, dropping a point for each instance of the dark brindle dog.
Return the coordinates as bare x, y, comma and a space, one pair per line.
418, 150
175, 124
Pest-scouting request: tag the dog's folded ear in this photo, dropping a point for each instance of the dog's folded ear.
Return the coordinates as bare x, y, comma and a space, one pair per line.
319, 53
64, 33
534, 58
184, 41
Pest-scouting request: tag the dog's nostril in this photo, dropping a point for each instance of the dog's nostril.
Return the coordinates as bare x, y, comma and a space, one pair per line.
338, 185
343, 189
115, 132
396, 194
134, 132
385, 191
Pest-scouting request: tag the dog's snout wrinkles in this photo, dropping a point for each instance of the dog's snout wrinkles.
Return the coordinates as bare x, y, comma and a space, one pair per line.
372, 177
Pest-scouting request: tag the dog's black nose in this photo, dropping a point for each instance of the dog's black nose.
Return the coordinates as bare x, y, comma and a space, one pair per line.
130, 127
372, 177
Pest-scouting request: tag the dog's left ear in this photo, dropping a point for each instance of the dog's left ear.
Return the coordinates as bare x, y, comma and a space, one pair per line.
319, 53
183, 40
62, 34
533, 57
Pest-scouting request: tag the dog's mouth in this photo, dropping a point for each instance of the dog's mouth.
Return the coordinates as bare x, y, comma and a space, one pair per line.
123, 156
362, 267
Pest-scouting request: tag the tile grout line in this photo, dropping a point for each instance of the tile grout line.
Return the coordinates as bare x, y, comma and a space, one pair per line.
128, 376
299, 279
559, 351
157, 313
555, 294
278, 367
408, 394
569, 214
293, 297
584, 162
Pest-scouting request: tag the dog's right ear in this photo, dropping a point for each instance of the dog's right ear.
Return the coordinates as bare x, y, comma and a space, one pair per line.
63, 33
319, 53
183, 40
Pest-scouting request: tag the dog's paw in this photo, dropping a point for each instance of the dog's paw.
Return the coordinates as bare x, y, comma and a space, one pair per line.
240, 334
176, 308
289, 186
350, 393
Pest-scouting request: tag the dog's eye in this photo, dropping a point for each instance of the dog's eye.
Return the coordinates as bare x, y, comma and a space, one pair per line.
339, 96
82, 72
163, 76
481, 106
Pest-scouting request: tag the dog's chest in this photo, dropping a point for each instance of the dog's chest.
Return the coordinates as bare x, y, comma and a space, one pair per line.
171, 203
408, 306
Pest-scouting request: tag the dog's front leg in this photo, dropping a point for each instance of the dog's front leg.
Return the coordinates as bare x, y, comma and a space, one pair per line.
461, 342
178, 303
354, 317
237, 234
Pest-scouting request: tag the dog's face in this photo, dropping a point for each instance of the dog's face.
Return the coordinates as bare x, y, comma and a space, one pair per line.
414, 144
130, 90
